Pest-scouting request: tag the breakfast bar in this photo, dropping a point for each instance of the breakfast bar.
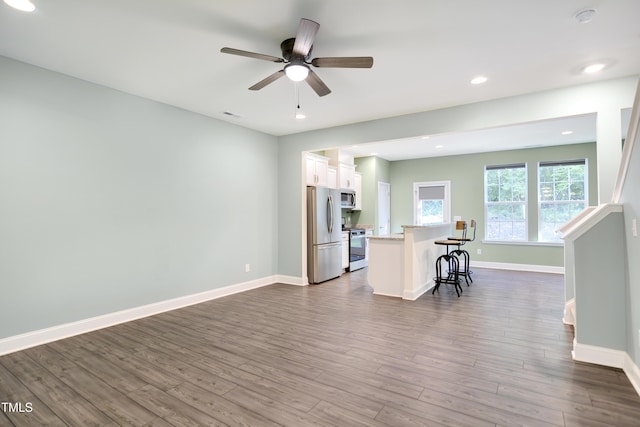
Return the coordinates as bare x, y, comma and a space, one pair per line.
403, 265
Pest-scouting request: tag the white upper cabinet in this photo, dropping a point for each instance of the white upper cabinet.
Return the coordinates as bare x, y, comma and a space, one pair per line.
333, 177
346, 175
358, 187
343, 162
317, 170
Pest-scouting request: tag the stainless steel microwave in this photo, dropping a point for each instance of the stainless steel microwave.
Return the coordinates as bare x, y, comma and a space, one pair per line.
347, 199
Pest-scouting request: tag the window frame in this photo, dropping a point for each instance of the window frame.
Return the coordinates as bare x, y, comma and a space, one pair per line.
585, 201
525, 203
446, 205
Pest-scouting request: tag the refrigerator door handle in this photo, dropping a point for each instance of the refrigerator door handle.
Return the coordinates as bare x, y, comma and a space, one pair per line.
330, 212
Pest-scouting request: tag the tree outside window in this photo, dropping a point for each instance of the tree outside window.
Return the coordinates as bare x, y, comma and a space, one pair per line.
562, 194
506, 202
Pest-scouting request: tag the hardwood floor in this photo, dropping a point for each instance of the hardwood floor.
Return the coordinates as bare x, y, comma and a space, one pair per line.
329, 355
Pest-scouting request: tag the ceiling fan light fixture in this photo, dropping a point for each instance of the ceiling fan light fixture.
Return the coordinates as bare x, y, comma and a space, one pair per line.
23, 5
296, 72
300, 114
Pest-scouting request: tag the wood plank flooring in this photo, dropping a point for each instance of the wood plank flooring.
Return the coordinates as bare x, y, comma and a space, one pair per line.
329, 355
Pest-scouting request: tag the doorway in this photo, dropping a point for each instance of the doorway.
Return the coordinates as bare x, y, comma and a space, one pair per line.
384, 208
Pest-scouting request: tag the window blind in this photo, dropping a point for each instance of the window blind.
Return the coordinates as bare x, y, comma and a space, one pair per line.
435, 192
511, 166
564, 163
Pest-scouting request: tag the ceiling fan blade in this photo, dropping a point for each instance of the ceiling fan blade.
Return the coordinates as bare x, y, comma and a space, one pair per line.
317, 84
272, 78
344, 62
304, 38
239, 52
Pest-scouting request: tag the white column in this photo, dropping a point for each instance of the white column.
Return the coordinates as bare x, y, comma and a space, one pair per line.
609, 151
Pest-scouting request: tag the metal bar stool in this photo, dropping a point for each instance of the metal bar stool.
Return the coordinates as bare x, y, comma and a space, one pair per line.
461, 227
463, 254
451, 277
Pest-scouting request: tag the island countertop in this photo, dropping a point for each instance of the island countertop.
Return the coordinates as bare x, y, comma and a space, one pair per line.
394, 236
426, 226
410, 228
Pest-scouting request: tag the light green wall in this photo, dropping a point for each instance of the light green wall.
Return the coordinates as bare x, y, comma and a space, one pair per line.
600, 285
373, 170
110, 201
607, 97
466, 173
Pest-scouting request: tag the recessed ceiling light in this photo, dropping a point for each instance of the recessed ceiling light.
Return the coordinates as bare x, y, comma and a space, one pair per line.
594, 68
426, 137
479, 80
567, 132
23, 5
439, 146
584, 16
374, 154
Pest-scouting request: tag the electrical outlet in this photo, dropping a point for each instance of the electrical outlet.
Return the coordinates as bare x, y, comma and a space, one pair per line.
479, 251
247, 268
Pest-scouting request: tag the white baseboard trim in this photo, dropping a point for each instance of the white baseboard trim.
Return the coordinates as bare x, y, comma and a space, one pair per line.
412, 296
598, 355
608, 357
633, 373
569, 317
54, 333
382, 294
518, 267
291, 280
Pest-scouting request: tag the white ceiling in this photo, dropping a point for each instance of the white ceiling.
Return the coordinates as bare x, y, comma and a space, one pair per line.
426, 52
525, 135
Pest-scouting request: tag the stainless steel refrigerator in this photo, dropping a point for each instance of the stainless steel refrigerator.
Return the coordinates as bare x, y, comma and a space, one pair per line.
324, 233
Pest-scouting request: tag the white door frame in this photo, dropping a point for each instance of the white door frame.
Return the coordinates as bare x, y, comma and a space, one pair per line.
384, 209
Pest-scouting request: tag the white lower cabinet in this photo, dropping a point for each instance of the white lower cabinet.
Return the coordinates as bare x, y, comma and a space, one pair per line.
345, 249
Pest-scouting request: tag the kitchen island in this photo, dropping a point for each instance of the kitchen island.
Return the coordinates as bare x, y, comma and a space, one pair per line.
403, 265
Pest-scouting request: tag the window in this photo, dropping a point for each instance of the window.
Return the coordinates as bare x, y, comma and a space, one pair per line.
431, 202
562, 194
506, 202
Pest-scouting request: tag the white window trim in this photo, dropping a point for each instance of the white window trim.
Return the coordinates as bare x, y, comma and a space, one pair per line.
526, 208
447, 199
540, 202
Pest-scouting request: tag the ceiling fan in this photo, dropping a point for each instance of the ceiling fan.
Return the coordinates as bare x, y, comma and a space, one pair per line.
296, 54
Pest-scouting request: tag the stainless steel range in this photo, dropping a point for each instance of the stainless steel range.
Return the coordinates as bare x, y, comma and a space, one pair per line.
357, 248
